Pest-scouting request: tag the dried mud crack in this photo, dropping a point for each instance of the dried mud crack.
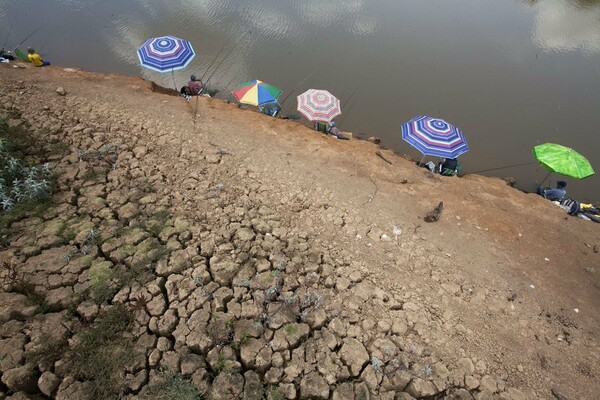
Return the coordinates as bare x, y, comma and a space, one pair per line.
165, 267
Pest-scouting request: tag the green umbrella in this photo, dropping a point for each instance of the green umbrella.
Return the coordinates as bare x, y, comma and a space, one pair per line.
563, 160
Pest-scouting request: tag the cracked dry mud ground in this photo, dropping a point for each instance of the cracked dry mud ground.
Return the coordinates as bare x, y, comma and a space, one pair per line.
239, 256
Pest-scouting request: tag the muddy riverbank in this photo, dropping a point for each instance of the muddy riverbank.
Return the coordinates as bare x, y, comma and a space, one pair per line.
240, 256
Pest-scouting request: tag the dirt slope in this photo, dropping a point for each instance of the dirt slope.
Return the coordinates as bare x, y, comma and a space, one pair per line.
497, 299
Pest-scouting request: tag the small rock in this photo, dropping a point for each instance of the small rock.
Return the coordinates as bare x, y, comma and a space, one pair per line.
374, 139
61, 91
253, 388
48, 383
140, 151
471, 382
466, 365
14, 123
404, 396
190, 363
245, 234
399, 327
20, 379
513, 394
420, 388
88, 310
354, 355
510, 181
344, 391
127, 211
459, 394
434, 214
15, 305
314, 386
229, 385
557, 393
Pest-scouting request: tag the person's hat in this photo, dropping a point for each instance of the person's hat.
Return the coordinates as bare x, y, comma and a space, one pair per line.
561, 184
193, 77
332, 123
30, 49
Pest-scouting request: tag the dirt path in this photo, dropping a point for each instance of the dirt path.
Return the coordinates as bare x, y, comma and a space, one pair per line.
497, 299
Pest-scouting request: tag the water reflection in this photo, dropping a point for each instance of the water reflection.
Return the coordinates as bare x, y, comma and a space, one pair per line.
567, 26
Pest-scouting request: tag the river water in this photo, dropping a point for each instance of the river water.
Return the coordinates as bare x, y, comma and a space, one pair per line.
511, 74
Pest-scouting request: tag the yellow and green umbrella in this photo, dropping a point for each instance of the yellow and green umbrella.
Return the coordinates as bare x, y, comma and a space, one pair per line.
563, 160
256, 93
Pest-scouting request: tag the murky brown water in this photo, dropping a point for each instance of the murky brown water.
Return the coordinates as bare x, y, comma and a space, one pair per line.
510, 74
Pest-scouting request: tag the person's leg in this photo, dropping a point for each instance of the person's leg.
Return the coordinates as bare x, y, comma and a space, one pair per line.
46, 63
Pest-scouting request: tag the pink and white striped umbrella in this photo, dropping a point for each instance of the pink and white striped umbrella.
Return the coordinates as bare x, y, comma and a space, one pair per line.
319, 105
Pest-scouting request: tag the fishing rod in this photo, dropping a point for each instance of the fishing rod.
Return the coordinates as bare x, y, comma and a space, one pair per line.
30, 35
297, 86
350, 98
228, 84
9, 33
205, 72
346, 102
214, 60
222, 61
216, 69
43, 45
495, 169
205, 84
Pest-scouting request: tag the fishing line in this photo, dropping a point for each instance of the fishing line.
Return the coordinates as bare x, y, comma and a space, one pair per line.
297, 86
216, 69
30, 35
214, 60
224, 59
495, 169
350, 98
58, 22
205, 72
9, 33
43, 45
229, 84
345, 103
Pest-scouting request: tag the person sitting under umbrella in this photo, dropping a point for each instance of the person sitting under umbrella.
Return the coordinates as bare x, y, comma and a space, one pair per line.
271, 109
553, 194
330, 128
333, 130
448, 167
321, 126
193, 88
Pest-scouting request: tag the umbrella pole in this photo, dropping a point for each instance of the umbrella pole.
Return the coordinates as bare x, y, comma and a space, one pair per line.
547, 176
173, 76
421, 162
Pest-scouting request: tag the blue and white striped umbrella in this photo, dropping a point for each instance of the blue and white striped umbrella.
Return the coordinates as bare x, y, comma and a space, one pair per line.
166, 53
434, 137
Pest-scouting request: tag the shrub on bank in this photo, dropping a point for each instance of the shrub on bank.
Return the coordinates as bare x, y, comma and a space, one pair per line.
20, 183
